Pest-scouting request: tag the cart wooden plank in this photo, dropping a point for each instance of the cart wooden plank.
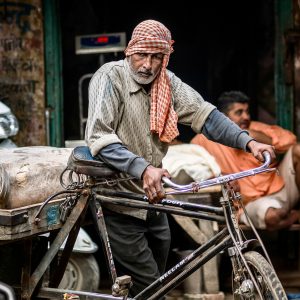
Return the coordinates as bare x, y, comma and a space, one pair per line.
20, 223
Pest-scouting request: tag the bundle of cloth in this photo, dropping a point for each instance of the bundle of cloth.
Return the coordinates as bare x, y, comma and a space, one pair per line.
190, 162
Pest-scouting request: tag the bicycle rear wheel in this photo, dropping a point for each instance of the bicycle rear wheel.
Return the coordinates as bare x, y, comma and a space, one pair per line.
265, 276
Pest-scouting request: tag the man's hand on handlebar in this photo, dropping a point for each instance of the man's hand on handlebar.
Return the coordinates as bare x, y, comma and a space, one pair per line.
152, 183
257, 150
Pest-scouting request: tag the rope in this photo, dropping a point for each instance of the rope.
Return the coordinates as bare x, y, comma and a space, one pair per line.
4, 184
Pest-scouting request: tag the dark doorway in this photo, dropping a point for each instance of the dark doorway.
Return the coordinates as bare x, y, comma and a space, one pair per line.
219, 45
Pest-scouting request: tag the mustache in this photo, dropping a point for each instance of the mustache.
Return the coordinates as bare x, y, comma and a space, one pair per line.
148, 73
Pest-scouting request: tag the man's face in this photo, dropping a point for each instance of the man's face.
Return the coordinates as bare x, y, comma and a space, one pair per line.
239, 114
145, 66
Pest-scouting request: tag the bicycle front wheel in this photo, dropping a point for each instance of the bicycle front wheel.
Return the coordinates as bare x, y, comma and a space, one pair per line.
269, 285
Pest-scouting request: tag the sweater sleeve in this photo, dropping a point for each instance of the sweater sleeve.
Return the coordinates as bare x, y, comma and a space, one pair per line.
221, 129
118, 156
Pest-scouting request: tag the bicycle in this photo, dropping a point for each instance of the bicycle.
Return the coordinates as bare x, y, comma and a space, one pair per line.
253, 276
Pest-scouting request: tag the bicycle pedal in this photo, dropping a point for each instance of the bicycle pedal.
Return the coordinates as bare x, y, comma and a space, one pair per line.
121, 286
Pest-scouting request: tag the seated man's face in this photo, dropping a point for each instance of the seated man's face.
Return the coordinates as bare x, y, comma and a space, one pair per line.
239, 114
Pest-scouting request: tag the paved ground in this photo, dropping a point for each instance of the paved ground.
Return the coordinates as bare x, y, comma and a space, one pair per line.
177, 295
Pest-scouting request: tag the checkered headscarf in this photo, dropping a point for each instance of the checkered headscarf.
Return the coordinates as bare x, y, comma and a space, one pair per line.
153, 37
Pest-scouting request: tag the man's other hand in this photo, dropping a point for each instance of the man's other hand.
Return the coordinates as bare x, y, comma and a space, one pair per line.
257, 150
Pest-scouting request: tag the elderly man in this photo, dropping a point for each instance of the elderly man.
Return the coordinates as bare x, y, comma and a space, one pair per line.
269, 198
134, 107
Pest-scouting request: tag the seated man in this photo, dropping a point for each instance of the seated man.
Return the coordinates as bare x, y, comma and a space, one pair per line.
269, 198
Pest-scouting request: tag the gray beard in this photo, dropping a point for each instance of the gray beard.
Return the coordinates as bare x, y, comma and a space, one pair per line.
139, 79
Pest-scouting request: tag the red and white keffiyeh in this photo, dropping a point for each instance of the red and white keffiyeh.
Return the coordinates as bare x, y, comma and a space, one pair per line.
153, 37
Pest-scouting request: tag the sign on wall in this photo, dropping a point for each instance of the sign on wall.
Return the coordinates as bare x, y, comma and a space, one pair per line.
22, 67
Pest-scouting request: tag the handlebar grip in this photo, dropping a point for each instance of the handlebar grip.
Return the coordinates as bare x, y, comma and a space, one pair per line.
267, 158
169, 183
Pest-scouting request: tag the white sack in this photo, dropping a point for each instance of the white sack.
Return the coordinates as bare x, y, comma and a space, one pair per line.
190, 162
29, 175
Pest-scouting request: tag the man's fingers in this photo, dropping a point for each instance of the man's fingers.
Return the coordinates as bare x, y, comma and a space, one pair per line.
260, 157
161, 194
151, 194
257, 150
156, 195
166, 173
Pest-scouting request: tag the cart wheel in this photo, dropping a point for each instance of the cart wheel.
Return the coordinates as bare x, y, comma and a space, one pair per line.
82, 273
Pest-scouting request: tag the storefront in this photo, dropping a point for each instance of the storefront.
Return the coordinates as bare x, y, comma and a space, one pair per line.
251, 46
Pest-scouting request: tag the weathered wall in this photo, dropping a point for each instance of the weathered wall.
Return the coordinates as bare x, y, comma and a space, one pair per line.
22, 67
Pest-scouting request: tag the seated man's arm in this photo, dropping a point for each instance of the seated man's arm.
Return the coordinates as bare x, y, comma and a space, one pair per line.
281, 138
260, 136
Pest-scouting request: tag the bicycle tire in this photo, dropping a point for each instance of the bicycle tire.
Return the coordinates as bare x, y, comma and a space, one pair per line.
267, 280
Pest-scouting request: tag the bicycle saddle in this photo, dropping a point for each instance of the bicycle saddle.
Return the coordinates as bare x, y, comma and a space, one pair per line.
81, 161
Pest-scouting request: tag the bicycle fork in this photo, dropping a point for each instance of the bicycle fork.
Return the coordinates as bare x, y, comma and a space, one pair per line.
246, 286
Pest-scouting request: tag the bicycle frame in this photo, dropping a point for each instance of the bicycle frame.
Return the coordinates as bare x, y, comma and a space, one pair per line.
229, 238
180, 271
174, 276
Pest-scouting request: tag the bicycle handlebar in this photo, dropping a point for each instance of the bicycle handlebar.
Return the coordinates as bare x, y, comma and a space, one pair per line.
194, 186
